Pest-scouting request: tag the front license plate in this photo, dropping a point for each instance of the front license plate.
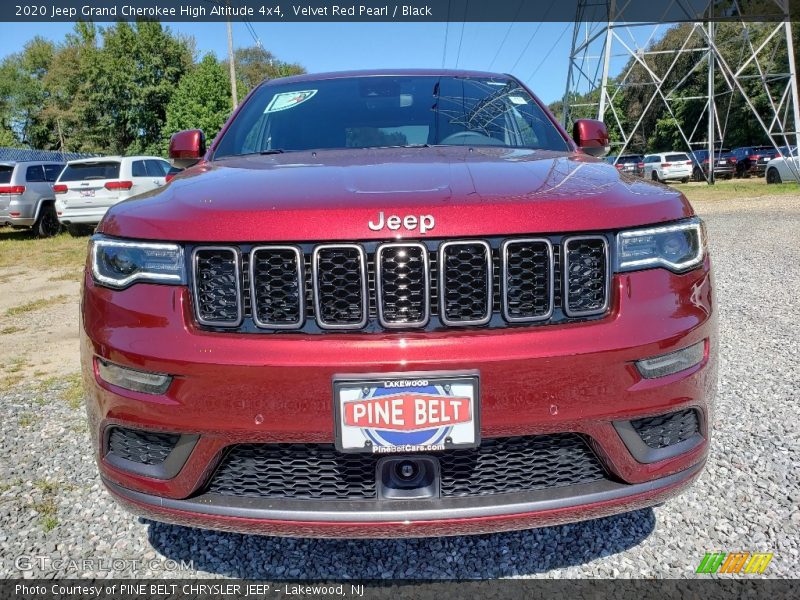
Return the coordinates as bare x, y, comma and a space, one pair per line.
406, 413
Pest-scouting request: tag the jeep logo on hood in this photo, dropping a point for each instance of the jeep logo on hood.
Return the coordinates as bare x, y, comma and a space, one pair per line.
410, 222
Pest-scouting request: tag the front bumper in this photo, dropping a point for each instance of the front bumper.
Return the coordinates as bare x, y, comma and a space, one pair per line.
268, 389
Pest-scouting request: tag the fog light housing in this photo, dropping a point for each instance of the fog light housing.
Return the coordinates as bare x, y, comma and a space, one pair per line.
674, 362
132, 379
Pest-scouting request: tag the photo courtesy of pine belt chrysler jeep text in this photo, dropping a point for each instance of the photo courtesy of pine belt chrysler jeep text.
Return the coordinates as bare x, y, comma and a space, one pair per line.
398, 304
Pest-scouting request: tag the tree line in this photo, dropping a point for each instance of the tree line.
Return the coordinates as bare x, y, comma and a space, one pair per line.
121, 89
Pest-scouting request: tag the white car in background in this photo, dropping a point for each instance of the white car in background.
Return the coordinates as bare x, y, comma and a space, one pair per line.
668, 165
87, 188
784, 168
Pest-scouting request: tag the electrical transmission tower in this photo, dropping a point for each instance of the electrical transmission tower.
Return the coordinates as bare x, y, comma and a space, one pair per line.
659, 66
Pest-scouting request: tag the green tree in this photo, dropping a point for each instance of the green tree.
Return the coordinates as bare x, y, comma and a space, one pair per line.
254, 65
68, 106
23, 93
202, 101
131, 80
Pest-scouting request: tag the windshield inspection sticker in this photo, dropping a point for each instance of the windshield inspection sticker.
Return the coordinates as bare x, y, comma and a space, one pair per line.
286, 100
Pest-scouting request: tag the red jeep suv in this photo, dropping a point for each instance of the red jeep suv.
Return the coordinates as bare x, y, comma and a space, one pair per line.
397, 303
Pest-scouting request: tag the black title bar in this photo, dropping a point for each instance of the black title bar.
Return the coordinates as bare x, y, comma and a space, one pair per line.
275, 11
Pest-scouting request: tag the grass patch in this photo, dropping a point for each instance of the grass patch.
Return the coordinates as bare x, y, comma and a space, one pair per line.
47, 513
11, 329
731, 189
27, 419
36, 305
18, 248
74, 394
9, 381
13, 373
70, 276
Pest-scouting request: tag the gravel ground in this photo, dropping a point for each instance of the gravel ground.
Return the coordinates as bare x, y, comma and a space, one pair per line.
52, 503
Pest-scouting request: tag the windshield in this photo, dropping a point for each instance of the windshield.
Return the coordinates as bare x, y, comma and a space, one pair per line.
92, 170
368, 112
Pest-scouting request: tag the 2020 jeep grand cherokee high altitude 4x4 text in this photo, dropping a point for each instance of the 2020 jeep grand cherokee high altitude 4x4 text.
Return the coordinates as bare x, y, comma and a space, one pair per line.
398, 304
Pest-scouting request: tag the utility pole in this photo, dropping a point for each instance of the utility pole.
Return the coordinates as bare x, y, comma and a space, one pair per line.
712, 126
231, 65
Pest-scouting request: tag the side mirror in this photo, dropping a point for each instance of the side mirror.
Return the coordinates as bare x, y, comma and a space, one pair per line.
187, 147
591, 136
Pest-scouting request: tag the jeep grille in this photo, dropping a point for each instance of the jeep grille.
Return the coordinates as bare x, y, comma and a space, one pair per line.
375, 286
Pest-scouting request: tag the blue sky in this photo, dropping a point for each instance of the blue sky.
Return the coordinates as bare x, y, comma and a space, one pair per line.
339, 46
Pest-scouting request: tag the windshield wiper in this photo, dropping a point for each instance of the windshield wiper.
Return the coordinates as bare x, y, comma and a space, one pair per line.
272, 151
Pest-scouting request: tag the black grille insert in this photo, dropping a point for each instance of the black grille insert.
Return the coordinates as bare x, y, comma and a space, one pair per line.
217, 292
340, 286
317, 471
667, 430
465, 283
403, 284
527, 280
143, 447
276, 279
586, 275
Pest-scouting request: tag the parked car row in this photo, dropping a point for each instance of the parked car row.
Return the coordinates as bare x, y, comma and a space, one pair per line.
46, 195
746, 161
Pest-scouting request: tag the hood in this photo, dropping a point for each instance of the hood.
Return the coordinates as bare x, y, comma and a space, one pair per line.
388, 192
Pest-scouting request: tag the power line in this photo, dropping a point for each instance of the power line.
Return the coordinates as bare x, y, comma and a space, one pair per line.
533, 36
461, 39
549, 52
446, 32
505, 37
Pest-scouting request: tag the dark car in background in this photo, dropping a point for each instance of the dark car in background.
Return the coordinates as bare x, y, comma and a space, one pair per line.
724, 164
752, 160
632, 164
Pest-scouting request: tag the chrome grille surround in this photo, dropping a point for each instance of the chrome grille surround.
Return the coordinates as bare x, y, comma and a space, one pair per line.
443, 288
504, 279
379, 286
606, 290
363, 276
300, 285
197, 286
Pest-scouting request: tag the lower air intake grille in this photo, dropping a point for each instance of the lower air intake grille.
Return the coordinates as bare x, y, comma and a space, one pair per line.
319, 472
143, 447
519, 464
667, 430
313, 471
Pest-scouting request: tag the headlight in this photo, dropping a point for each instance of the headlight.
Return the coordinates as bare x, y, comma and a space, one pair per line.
678, 247
118, 264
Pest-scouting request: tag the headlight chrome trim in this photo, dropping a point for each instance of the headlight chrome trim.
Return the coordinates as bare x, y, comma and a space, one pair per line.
98, 242
692, 224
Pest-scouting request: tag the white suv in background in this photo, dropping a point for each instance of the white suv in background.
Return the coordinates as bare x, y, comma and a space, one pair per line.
668, 165
87, 188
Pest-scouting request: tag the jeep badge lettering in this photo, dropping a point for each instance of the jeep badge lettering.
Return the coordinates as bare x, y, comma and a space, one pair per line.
410, 222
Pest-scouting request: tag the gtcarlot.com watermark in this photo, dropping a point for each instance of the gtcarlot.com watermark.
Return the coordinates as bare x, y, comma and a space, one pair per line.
27, 563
